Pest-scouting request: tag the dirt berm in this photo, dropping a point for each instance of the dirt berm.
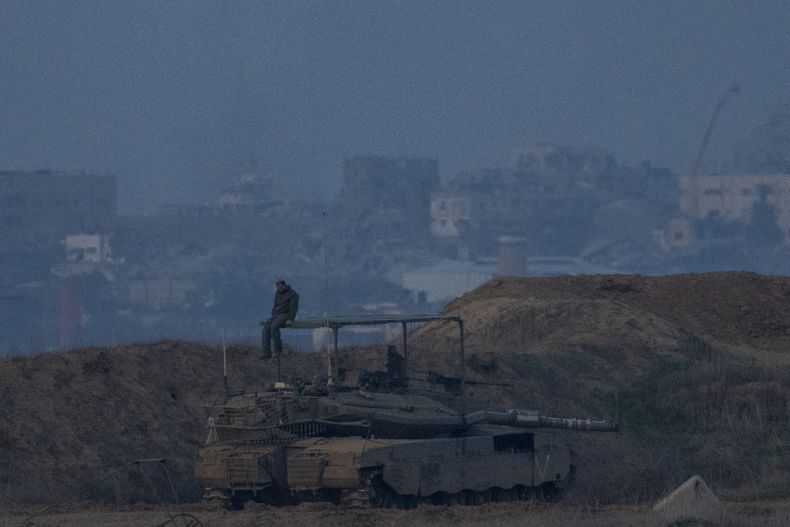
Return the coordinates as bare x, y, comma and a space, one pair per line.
695, 368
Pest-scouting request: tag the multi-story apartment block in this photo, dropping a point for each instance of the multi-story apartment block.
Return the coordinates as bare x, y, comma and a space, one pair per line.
731, 198
380, 183
452, 211
551, 168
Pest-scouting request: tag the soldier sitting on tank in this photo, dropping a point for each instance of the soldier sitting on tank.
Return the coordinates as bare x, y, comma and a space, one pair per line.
286, 304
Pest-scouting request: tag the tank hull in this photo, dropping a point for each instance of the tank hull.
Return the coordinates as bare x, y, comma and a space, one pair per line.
482, 465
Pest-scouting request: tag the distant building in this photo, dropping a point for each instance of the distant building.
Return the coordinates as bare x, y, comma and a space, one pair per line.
678, 234
252, 193
92, 248
457, 213
546, 195
452, 212
373, 183
41, 214
555, 168
159, 293
731, 198
41, 207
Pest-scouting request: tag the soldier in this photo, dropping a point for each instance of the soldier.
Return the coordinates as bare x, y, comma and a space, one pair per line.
286, 304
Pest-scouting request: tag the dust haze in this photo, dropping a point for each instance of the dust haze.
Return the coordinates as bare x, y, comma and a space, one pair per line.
521, 163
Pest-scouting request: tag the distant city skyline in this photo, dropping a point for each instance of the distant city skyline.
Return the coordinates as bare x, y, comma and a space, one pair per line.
177, 98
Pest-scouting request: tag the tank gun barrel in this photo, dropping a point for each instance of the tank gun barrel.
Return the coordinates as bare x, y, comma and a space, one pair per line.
532, 419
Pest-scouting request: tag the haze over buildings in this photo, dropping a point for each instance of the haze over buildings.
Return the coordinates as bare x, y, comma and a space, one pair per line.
163, 163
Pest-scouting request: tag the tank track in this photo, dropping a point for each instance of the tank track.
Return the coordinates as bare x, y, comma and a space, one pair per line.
374, 493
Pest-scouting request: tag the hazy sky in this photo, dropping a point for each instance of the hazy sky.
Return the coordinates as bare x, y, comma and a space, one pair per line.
176, 98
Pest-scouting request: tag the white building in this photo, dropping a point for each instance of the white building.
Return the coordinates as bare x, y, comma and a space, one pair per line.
94, 248
732, 197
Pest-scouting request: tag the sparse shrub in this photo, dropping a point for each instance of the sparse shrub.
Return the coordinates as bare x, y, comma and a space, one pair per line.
715, 414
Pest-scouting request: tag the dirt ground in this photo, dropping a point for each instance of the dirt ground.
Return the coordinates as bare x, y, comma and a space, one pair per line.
775, 514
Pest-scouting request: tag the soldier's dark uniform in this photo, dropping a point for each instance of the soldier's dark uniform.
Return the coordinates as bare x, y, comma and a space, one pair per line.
286, 304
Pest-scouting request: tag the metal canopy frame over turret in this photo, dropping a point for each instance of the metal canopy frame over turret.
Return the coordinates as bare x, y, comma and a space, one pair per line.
336, 322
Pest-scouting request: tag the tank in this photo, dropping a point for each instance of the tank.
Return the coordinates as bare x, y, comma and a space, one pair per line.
362, 446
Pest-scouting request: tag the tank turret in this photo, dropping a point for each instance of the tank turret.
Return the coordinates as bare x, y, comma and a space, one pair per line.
371, 448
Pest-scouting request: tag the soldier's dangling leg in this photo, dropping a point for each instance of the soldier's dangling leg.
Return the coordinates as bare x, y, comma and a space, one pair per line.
278, 322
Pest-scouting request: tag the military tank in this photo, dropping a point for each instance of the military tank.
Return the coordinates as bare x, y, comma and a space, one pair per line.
363, 447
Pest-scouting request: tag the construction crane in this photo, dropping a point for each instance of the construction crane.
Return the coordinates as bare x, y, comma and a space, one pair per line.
734, 88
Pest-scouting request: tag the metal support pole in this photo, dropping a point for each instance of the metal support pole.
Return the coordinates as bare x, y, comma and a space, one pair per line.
331, 357
405, 349
463, 365
224, 364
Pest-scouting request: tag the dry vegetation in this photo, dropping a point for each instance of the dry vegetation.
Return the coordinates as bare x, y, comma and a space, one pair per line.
506, 515
73, 422
695, 368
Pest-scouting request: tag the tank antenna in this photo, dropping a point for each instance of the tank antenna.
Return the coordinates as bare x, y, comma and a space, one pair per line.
326, 267
224, 363
331, 355
331, 352
279, 373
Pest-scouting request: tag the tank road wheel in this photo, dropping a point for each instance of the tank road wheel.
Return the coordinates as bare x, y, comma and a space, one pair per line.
216, 503
410, 501
478, 498
382, 496
456, 499
516, 493
372, 492
437, 498
522, 492
217, 499
373, 484
549, 492
355, 498
539, 492
473, 498
239, 498
505, 495
467, 497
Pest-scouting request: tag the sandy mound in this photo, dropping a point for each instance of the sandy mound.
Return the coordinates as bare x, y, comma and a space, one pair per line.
696, 368
541, 314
